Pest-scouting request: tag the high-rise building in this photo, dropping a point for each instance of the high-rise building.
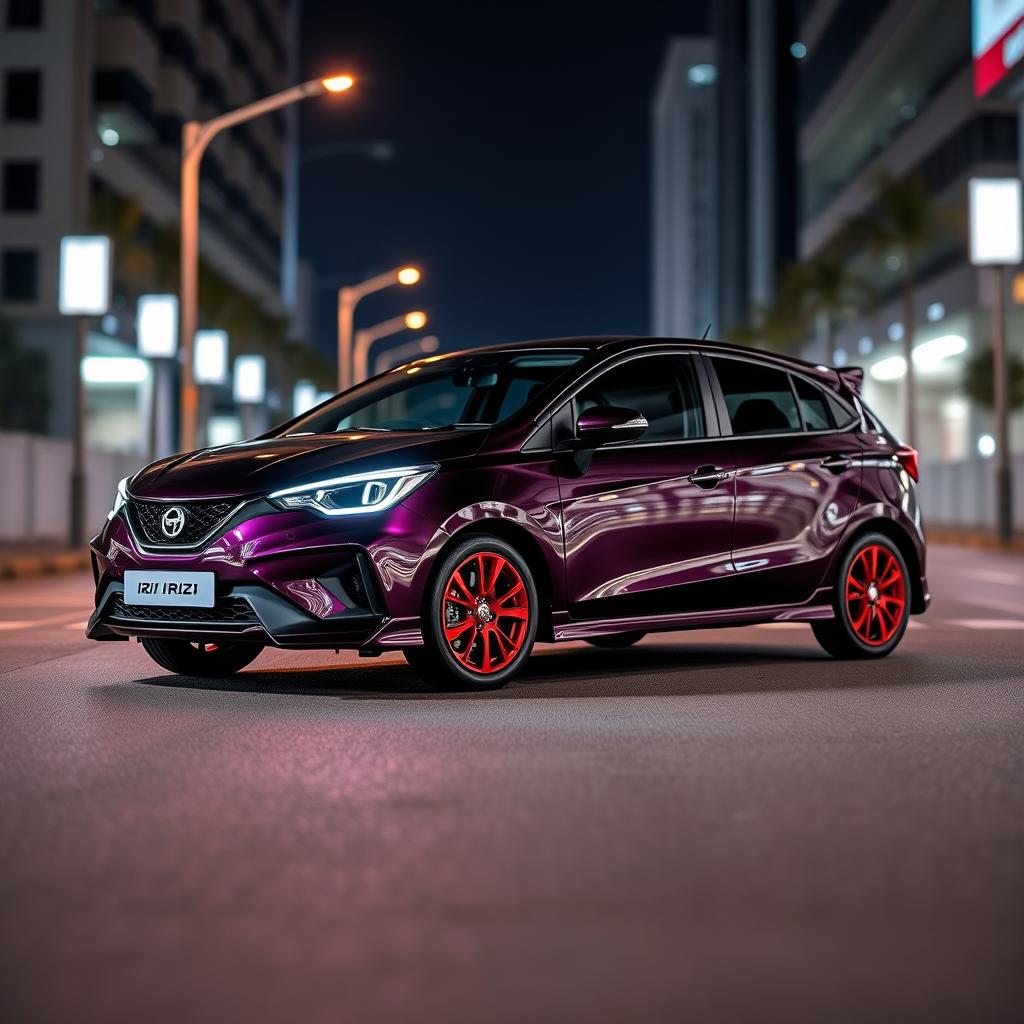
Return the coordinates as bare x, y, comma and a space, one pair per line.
93, 94
725, 177
886, 86
685, 262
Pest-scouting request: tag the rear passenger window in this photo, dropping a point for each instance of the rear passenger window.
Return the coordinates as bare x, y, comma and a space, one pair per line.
664, 389
845, 418
759, 398
812, 405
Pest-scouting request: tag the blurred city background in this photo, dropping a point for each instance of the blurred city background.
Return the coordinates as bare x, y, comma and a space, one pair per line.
791, 174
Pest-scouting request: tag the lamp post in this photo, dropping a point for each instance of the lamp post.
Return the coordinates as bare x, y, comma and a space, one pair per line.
84, 291
348, 298
997, 242
401, 353
364, 339
195, 137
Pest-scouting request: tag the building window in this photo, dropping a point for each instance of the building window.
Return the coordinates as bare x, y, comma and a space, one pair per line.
23, 95
19, 275
24, 13
21, 186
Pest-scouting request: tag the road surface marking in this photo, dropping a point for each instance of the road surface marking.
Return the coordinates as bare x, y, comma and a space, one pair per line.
987, 623
15, 625
81, 626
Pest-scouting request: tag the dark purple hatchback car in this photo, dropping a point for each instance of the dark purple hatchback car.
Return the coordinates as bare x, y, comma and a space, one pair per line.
461, 507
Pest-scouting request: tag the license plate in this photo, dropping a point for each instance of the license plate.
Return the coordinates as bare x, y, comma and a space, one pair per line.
181, 589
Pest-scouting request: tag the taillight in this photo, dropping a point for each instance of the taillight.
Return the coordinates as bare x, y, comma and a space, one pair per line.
907, 458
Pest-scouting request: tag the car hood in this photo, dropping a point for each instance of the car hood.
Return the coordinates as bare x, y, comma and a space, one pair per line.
251, 468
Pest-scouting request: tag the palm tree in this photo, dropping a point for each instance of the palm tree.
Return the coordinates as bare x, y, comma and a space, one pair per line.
826, 291
904, 221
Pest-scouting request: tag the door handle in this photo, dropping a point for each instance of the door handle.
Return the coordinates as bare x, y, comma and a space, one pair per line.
707, 477
837, 463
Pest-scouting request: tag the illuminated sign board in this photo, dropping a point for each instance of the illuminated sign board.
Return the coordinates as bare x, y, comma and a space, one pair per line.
998, 30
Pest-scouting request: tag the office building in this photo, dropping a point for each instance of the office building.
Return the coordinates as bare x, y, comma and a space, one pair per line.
93, 95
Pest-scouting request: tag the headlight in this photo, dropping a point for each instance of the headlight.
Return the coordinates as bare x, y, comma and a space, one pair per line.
356, 494
120, 499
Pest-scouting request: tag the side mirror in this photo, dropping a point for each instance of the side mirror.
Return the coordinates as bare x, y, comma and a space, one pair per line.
607, 424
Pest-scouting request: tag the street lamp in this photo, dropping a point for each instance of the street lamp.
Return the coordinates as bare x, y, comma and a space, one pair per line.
84, 291
348, 298
364, 339
402, 353
997, 242
195, 137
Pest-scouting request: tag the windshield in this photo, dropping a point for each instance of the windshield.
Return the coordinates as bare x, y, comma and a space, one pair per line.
441, 392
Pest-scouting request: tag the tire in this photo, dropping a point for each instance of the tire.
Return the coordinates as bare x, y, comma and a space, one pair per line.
617, 641
872, 601
187, 658
479, 617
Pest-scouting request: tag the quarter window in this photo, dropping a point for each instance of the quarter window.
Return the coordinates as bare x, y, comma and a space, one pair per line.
812, 405
759, 398
664, 389
845, 418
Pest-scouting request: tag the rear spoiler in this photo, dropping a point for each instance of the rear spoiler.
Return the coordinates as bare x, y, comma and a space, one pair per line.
852, 377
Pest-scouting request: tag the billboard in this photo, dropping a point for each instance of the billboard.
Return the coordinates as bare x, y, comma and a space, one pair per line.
998, 32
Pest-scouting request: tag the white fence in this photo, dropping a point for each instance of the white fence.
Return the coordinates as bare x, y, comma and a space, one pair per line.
35, 500
35, 487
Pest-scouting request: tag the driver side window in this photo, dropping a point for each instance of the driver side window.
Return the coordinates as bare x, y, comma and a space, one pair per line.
664, 389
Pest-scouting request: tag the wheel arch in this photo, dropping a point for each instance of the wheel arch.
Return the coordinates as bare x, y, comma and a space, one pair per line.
904, 543
526, 544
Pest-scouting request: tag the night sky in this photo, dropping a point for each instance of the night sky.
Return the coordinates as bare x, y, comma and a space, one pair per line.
520, 181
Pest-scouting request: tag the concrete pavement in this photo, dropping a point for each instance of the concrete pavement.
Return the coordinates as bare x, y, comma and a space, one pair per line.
719, 825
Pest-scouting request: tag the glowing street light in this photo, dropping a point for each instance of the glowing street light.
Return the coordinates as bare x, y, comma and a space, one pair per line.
195, 137
348, 298
338, 83
365, 338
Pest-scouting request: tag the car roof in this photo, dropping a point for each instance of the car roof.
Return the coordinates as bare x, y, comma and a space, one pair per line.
615, 344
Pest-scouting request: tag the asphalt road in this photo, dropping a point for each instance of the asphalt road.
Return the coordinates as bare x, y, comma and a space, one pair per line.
714, 826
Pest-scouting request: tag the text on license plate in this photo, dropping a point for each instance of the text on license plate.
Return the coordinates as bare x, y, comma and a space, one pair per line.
184, 589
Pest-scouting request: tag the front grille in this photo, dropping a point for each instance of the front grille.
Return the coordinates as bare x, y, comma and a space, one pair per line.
232, 611
201, 519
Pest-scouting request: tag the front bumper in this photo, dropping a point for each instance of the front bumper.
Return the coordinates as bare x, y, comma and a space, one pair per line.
287, 579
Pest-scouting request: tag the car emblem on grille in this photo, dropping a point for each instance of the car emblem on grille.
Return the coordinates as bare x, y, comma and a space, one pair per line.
173, 521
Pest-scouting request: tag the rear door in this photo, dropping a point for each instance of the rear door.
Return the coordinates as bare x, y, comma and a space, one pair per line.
798, 475
648, 523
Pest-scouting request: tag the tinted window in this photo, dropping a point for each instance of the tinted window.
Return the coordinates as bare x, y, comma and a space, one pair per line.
19, 274
812, 405
21, 96
468, 391
663, 389
24, 13
845, 418
21, 186
759, 398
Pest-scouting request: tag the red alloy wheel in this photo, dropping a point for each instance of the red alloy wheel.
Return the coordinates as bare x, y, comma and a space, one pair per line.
485, 613
876, 595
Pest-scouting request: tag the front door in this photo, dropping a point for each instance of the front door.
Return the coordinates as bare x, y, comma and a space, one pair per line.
648, 524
